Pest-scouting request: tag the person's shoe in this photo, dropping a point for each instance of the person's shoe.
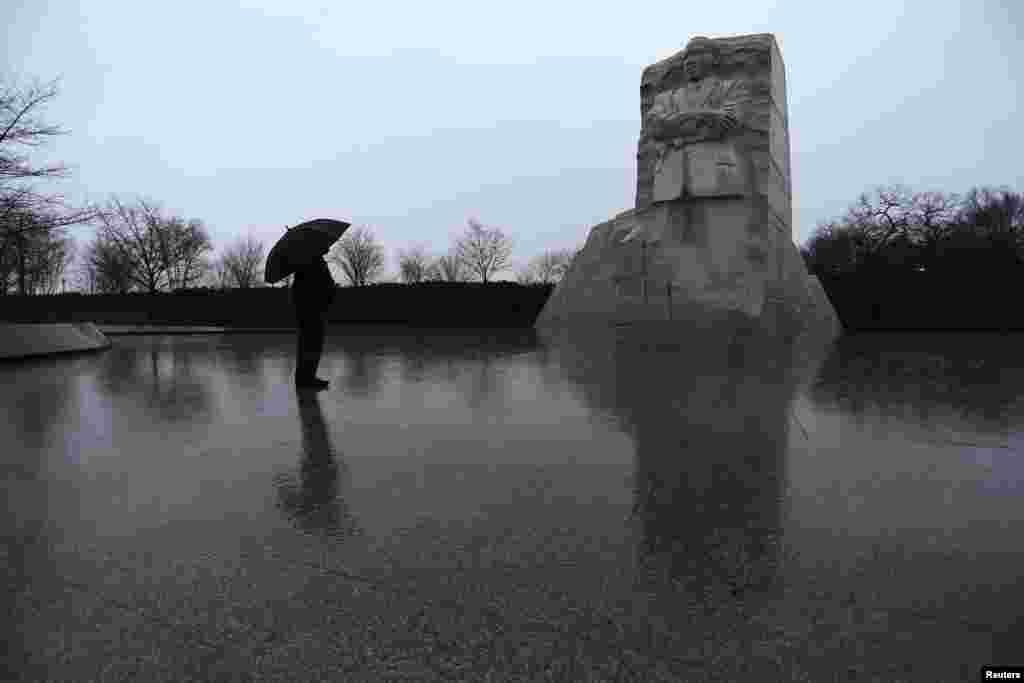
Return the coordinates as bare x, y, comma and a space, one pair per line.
311, 383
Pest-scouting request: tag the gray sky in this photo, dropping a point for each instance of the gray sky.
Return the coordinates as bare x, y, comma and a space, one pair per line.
411, 117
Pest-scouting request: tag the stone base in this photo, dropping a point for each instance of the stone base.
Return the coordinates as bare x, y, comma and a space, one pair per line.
667, 263
27, 341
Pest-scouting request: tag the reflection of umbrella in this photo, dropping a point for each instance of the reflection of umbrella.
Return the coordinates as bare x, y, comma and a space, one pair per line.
300, 245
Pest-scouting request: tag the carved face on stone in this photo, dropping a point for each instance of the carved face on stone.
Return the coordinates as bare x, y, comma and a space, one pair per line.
698, 64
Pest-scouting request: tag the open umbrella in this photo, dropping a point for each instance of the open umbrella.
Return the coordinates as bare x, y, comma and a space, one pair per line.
300, 245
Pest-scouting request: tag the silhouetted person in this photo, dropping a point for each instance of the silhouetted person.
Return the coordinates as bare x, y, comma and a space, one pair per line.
313, 290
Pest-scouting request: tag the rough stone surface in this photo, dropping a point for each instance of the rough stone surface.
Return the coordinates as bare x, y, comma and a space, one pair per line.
26, 341
712, 226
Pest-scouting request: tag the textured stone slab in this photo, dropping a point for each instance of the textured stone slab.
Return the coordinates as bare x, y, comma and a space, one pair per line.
772, 187
779, 82
670, 179
703, 110
779, 141
712, 227
715, 170
26, 341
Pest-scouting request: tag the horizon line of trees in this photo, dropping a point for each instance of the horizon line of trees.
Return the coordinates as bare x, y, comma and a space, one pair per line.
141, 247
893, 229
900, 259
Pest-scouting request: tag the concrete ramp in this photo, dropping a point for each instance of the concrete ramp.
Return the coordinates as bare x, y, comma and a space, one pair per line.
28, 341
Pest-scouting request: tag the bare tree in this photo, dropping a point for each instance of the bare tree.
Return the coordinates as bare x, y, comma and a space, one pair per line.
35, 262
164, 251
930, 220
219, 275
484, 251
241, 263
414, 264
126, 229
883, 225
105, 268
184, 247
359, 256
995, 212
449, 268
52, 258
548, 267
881, 216
23, 209
552, 265
836, 247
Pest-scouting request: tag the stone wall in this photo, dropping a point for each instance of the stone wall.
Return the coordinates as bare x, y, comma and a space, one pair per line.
27, 341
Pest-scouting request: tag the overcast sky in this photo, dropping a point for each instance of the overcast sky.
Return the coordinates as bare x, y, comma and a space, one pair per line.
411, 117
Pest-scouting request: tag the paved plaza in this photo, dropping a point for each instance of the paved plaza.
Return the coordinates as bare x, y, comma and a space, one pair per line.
505, 505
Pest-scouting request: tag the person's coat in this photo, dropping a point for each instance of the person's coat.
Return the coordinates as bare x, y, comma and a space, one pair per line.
313, 288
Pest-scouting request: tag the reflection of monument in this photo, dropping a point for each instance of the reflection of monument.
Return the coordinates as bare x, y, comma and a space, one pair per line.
965, 384
712, 227
710, 418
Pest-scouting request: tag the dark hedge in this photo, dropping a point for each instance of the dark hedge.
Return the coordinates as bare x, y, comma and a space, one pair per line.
431, 304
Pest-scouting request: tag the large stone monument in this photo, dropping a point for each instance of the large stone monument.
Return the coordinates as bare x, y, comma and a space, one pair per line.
712, 228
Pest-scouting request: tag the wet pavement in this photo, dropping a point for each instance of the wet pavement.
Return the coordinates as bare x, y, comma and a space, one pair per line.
502, 505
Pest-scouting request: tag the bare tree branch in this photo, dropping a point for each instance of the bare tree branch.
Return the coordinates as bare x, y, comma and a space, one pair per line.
449, 268
20, 125
484, 252
551, 266
105, 268
882, 216
359, 256
413, 264
241, 263
26, 213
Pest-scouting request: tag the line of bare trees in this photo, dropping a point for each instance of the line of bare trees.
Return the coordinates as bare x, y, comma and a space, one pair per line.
479, 254
140, 246
894, 228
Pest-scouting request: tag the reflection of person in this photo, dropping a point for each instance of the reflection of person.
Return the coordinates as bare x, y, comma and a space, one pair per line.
313, 500
312, 293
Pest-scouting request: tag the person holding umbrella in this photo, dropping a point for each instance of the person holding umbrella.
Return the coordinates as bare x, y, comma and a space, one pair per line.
301, 252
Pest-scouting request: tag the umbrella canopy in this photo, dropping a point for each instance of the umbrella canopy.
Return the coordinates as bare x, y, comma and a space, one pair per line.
300, 245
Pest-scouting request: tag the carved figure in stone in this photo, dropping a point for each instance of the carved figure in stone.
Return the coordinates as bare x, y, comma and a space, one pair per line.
711, 229
705, 108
